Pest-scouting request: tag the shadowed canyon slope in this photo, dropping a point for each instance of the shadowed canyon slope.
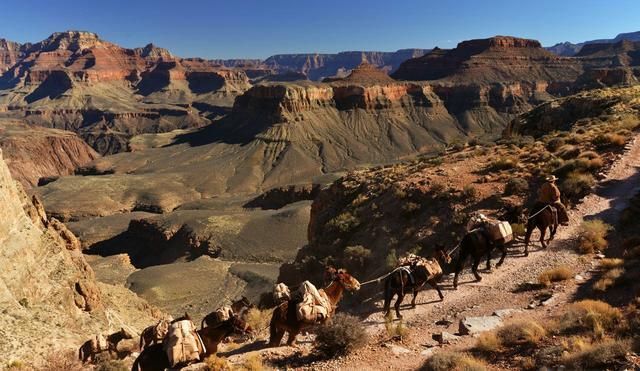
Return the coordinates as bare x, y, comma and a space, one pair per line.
46, 286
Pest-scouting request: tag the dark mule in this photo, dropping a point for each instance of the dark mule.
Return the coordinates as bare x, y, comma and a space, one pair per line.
91, 348
399, 282
152, 358
542, 218
477, 245
238, 307
213, 336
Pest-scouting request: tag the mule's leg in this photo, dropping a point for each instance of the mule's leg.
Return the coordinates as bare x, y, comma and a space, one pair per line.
461, 258
503, 248
397, 305
388, 295
543, 232
474, 268
489, 258
415, 295
527, 238
291, 341
275, 335
434, 284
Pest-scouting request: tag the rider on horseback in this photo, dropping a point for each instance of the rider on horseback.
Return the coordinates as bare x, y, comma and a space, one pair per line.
549, 194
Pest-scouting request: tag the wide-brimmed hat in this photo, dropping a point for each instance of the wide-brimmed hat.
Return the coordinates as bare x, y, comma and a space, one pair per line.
551, 178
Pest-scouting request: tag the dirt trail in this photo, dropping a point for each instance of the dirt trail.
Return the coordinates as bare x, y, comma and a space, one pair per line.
496, 290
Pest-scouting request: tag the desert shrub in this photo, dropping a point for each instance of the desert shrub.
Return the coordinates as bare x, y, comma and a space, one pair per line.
410, 207
609, 140
63, 361
356, 255
591, 316
439, 190
344, 222
392, 259
554, 144
599, 356
521, 333
568, 152
579, 165
446, 361
503, 163
112, 365
218, 364
577, 185
252, 362
258, 319
469, 193
592, 236
516, 186
611, 263
557, 274
608, 279
344, 334
488, 342
17, 366
399, 192
395, 330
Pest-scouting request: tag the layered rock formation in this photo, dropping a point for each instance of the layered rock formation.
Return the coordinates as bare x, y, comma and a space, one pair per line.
319, 66
77, 81
46, 286
568, 49
35, 153
10, 53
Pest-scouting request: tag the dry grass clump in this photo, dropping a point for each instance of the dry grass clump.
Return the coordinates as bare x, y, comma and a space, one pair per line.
554, 144
592, 316
252, 362
112, 365
258, 319
608, 279
556, 274
218, 364
516, 186
447, 361
488, 342
395, 331
344, 334
611, 263
609, 140
568, 152
521, 333
469, 193
344, 222
592, 236
63, 361
503, 163
598, 356
577, 185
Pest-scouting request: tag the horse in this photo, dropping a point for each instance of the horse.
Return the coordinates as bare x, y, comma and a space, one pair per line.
542, 217
413, 278
285, 318
477, 244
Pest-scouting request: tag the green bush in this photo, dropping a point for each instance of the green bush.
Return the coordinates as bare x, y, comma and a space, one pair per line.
356, 255
577, 185
344, 222
341, 336
592, 236
516, 186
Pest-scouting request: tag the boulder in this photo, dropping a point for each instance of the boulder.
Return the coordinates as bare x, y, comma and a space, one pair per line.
474, 325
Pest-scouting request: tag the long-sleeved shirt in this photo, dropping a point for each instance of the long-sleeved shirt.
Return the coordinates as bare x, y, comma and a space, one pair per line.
549, 193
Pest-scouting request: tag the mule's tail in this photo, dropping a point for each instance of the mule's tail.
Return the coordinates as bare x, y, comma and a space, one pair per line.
136, 364
203, 322
80, 354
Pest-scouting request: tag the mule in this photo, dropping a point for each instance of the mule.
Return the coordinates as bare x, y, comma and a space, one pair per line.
477, 245
213, 336
152, 358
239, 307
542, 218
285, 319
412, 278
90, 348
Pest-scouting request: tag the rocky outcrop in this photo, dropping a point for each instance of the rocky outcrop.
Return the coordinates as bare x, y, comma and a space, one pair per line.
10, 53
567, 49
47, 287
319, 66
33, 153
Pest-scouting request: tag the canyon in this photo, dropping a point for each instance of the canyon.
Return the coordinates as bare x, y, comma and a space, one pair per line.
210, 168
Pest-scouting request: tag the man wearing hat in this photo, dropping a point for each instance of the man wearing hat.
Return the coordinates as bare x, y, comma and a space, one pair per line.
550, 194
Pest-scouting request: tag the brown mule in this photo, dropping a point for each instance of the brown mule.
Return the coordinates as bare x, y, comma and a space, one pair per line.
542, 218
399, 282
213, 336
285, 319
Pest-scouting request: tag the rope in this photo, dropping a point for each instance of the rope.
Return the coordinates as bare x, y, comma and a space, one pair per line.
381, 277
539, 211
454, 249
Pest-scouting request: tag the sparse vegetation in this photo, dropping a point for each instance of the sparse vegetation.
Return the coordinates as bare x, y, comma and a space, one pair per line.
554, 144
503, 163
252, 362
447, 361
395, 330
608, 279
609, 140
592, 236
469, 193
516, 186
258, 319
63, 361
557, 274
344, 334
590, 316
392, 259
344, 222
356, 255
577, 185
112, 365
521, 333
488, 342
218, 364
598, 356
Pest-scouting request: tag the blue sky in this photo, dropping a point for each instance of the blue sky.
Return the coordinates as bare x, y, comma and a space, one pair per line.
259, 28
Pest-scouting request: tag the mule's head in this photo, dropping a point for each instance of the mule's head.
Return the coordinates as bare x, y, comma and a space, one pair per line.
348, 281
442, 254
240, 326
329, 273
126, 333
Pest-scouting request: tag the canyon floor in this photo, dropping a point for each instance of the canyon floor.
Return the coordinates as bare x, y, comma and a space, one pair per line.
499, 290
